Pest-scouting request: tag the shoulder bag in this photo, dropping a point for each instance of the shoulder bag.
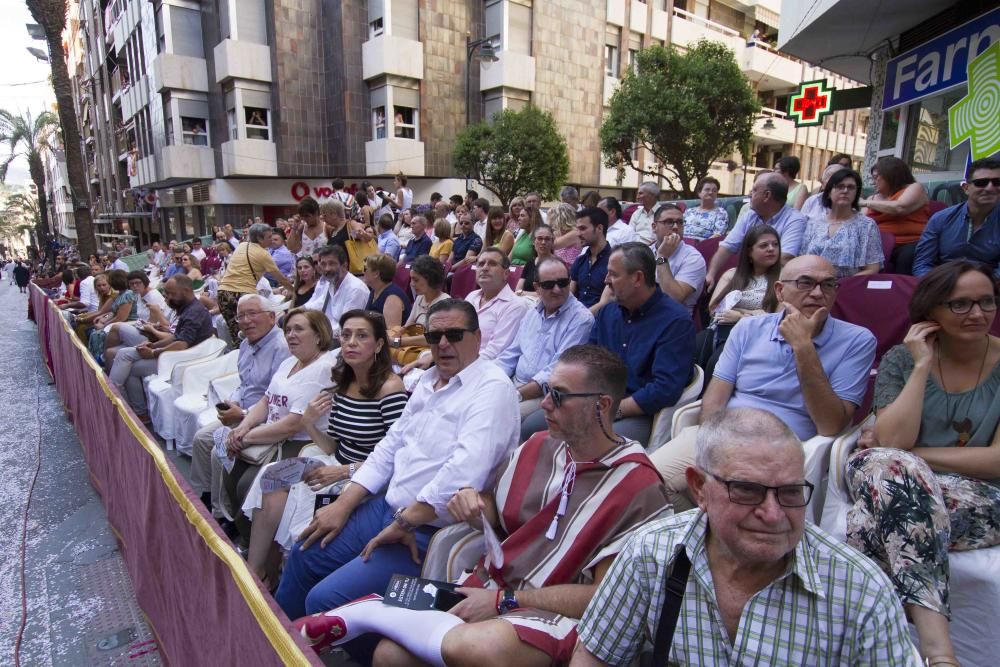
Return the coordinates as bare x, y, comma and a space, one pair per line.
676, 583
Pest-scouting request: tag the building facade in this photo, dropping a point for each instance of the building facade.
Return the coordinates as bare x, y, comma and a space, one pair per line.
198, 114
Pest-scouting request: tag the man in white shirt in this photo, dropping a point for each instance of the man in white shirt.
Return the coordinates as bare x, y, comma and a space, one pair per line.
480, 211
196, 249
155, 254
459, 424
338, 290
619, 231
116, 263
680, 269
642, 219
533, 201
89, 301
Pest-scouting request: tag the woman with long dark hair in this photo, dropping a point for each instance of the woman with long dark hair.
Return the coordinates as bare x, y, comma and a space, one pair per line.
843, 235
365, 401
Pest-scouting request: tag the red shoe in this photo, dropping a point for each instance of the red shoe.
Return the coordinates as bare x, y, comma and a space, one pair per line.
327, 629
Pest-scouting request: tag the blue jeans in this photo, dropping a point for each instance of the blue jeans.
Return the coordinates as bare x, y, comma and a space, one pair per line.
318, 579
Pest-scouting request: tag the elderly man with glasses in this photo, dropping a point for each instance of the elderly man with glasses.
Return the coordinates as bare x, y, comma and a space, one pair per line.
749, 580
458, 426
807, 368
557, 322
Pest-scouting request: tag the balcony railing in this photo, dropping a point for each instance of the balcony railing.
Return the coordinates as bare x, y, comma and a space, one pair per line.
702, 21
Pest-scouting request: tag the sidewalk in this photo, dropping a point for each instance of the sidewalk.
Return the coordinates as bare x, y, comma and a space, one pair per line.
81, 606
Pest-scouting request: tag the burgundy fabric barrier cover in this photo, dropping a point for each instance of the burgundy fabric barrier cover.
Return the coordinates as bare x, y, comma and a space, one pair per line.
202, 602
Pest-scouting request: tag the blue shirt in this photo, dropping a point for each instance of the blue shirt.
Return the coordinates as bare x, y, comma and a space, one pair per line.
284, 259
417, 247
173, 270
948, 235
761, 367
463, 244
789, 223
542, 338
656, 342
589, 276
388, 243
257, 363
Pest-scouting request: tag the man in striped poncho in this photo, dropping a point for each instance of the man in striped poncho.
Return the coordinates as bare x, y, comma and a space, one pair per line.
562, 508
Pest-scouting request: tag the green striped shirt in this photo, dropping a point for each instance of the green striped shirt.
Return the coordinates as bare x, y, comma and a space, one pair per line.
832, 606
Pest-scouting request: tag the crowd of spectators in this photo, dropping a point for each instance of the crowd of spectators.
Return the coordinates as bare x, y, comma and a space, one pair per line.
529, 403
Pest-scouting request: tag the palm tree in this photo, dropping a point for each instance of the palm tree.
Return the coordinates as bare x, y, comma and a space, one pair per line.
51, 16
21, 214
29, 137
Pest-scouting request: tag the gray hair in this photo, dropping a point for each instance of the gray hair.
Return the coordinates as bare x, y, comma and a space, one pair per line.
258, 231
651, 187
638, 256
776, 185
265, 303
570, 192
738, 426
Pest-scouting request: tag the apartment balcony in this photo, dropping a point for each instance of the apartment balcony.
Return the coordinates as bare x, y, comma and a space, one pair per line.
616, 12
185, 162
637, 16
237, 59
145, 172
660, 21
768, 68
250, 157
174, 72
688, 29
135, 98
393, 155
512, 70
782, 132
386, 54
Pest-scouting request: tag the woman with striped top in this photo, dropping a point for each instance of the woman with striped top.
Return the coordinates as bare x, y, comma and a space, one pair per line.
365, 401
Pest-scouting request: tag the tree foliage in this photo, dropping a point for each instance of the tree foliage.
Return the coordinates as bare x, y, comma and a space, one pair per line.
687, 109
29, 137
519, 152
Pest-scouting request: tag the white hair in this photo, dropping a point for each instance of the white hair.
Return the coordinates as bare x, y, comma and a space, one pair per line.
651, 187
265, 303
739, 426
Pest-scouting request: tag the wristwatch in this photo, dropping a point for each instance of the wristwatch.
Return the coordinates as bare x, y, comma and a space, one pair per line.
660, 261
397, 517
507, 601
395, 342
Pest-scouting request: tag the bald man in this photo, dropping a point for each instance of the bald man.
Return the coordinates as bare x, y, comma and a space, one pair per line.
805, 367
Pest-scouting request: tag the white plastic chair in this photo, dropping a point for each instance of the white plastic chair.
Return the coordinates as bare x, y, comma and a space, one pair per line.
663, 420
162, 388
193, 399
974, 587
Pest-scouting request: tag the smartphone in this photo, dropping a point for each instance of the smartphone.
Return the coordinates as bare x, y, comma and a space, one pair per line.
324, 499
445, 600
221, 406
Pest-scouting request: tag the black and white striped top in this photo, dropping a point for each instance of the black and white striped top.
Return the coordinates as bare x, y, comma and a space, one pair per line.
358, 424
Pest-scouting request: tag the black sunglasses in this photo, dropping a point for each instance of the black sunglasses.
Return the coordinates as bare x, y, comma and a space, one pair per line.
559, 396
453, 335
983, 182
549, 284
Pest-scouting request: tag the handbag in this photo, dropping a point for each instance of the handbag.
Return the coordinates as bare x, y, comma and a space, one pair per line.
410, 353
357, 251
676, 584
258, 455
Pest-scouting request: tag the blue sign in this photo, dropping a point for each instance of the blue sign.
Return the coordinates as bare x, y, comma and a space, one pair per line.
939, 64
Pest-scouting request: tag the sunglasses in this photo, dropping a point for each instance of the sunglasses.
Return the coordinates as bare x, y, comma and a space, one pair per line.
549, 284
559, 396
453, 335
983, 182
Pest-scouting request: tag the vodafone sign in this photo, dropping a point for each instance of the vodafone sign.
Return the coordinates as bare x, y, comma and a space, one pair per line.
318, 191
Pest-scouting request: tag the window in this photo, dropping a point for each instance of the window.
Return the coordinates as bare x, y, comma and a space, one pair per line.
405, 122
611, 61
927, 144
231, 123
194, 131
632, 54
376, 18
257, 123
161, 40
375, 28
378, 122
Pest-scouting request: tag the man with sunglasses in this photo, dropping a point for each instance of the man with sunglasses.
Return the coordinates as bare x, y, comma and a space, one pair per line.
970, 230
786, 593
459, 424
562, 506
557, 322
808, 369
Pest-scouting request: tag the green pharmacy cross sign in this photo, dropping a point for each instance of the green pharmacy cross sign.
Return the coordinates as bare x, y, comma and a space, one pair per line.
814, 101
974, 118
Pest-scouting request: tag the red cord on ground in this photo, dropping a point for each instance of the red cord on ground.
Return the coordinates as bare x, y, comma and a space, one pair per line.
24, 527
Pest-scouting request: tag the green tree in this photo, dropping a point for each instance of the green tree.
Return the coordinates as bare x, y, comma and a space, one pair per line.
51, 15
29, 136
687, 109
518, 152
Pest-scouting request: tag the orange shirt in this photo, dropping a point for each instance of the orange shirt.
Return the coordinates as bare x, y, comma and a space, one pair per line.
906, 228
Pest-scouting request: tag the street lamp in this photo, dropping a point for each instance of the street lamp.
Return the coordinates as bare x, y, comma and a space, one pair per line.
39, 54
481, 50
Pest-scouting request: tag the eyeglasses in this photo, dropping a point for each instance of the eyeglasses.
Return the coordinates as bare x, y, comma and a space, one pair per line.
987, 304
671, 222
549, 284
752, 493
983, 182
545, 239
246, 315
807, 284
559, 396
845, 187
453, 335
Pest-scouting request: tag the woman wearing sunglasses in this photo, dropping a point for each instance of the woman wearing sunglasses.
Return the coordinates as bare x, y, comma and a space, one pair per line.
926, 480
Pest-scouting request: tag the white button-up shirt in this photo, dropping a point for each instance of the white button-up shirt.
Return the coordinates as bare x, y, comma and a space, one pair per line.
621, 232
88, 295
445, 440
351, 294
642, 223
